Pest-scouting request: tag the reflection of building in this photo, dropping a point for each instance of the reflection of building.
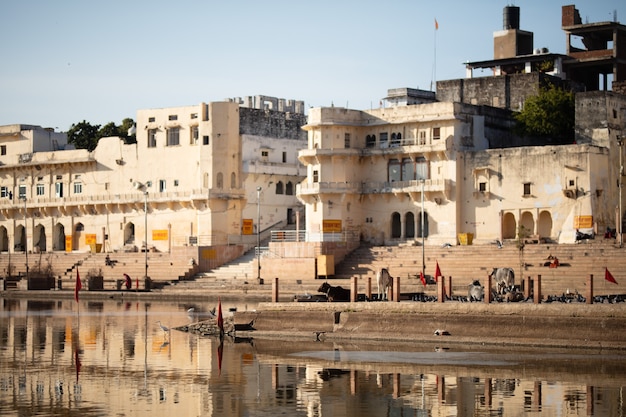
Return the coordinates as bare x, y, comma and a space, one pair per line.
196, 163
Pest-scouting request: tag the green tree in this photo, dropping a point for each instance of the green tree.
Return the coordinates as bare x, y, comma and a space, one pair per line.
549, 114
126, 125
83, 135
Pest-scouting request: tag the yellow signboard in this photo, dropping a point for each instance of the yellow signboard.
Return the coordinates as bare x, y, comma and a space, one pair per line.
248, 227
90, 239
159, 235
583, 222
331, 226
68, 243
209, 254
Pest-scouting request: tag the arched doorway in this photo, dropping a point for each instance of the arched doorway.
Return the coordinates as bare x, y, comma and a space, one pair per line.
396, 227
58, 237
409, 225
78, 236
528, 223
20, 238
509, 226
4, 239
544, 224
129, 233
39, 238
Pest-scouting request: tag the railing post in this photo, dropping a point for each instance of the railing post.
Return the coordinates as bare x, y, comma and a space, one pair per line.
487, 297
275, 290
441, 290
354, 290
589, 290
396, 289
537, 290
368, 291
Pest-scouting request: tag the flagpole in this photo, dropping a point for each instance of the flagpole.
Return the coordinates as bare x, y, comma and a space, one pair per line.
434, 74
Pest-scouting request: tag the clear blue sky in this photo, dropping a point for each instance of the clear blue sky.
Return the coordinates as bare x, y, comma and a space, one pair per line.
71, 60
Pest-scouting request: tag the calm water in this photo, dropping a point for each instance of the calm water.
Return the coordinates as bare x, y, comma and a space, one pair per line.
60, 358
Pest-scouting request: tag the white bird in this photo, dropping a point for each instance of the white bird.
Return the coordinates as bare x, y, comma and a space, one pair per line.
191, 310
164, 328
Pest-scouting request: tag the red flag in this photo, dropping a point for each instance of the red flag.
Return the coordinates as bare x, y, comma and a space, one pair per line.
608, 276
422, 278
437, 273
220, 319
79, 285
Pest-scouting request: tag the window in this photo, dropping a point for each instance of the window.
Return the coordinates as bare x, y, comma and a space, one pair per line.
175, 183
422, 138
316, 176
78, 188
3, 150
408, 169
162, 186
393, 168
436, 133
370, 141
4, 192
194, 135
421, 168
172, 117
346, 141
152, 138
173, 136
58, 188
233, 180
482, 187
396, 139
151, 119
205, 139
265, 154
527, 189
289, 188
279, 187
383, 140
21, 192
194, 116
41, 190
284, 157
220, 180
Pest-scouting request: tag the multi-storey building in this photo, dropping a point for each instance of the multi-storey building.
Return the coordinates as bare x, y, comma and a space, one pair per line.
190, 180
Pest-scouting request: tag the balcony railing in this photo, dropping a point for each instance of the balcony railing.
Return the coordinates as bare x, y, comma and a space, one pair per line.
373, 187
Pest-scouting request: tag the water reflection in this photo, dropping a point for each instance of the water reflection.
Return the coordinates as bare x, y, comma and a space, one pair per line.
112, 358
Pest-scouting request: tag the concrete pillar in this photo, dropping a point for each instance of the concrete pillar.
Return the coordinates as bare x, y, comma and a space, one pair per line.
396, 289
537, 290
275, 290
488, 392
397, 389
488, 289
590, 289
368, 291
449, 286
441, 290
354, 289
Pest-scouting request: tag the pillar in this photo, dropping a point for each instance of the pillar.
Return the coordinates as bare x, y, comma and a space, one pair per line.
368, 291
528, 282
396, 289
441, 290
275, 290
537, 290
487, 297
589, 289
354, 289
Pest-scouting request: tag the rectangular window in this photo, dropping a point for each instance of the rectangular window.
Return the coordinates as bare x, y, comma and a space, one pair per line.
393, 170
4, 192
152, 138
151, 119
173, 136
436, 133
422, 138
383, 140
284, 157
41, 190
194, 135
482, 187
172, 117
527, 189
162, 186
175, 183
194, 116
21, 192
78, 188
346, 141
316, 176
58, 189
3, 150
205, 139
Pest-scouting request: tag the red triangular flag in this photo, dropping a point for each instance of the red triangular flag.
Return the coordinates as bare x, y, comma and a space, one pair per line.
422, 278
608, 276
437, 273
220, 319
79, 285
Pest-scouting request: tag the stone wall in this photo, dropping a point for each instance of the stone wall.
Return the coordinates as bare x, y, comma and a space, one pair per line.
270, 123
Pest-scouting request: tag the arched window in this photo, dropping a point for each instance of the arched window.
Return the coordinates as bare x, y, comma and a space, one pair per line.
289, 188
279, 187
370, 141
409, 225
396, 226
233, 180
220, 180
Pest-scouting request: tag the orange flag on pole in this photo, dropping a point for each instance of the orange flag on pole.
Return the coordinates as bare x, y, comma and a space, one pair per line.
437, 273
79, 285
422, 278
608, 276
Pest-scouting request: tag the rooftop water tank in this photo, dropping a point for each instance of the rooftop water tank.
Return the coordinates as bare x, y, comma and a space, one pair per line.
511, 17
